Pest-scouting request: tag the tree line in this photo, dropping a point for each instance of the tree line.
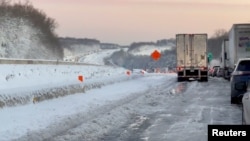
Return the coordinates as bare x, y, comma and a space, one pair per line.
37, 18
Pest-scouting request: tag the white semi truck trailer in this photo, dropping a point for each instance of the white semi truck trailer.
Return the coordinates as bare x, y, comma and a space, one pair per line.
239, 43
191, 57
224, 64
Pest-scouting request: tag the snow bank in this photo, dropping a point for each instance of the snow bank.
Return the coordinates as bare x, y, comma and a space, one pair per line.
86, 116
149, 49
97, 57
22, 84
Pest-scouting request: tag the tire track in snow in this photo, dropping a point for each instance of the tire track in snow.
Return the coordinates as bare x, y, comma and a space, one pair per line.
206, 106
92, 124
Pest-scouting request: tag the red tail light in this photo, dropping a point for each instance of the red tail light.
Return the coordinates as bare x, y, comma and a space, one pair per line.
179, 68
203, 68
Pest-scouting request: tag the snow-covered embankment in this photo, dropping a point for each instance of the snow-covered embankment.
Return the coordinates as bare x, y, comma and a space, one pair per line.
23, 84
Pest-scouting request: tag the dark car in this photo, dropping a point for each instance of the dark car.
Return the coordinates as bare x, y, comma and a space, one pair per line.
246, 106
227, 73
239, 80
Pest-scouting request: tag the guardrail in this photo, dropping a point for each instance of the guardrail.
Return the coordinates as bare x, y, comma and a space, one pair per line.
46, 62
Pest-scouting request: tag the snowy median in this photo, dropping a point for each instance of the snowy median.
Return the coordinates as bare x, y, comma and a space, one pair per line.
85, 116
23, 84
50, 119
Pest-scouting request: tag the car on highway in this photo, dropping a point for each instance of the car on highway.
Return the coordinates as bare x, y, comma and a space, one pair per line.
246, 106
210, 71
139, 71
227, 73
239, 79
214, 70
219, 72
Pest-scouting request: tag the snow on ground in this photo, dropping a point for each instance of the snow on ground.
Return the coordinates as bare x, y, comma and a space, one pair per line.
19, 39
97, 57
145, 107
115, 106
20, 76
151, 107
19, 84
148, 50
23, 120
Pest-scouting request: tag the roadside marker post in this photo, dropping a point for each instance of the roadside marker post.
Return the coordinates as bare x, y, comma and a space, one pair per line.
80, 78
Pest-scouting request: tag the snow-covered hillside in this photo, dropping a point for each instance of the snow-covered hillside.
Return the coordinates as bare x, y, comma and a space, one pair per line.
97, 57
76, 47
148, 49
142, 58
80, 49
19, 39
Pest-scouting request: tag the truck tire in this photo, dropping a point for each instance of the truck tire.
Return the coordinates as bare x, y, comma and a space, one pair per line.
234, 100
205, 79
225, 74
180, 79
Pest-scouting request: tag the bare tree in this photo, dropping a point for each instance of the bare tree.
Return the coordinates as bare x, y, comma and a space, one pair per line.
220, 33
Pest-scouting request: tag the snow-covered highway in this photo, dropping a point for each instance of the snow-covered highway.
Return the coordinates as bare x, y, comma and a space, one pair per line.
151, 107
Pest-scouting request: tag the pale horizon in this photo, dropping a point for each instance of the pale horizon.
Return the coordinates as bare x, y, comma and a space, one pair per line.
126, 21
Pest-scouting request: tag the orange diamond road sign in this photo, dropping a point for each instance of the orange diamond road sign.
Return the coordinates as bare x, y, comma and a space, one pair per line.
80, 78
156, 55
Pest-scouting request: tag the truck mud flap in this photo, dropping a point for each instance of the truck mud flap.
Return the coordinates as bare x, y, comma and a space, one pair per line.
180, 79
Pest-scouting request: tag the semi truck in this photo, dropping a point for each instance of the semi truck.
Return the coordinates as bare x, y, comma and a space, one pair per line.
224, 64
239, 54
239, 43
191, 57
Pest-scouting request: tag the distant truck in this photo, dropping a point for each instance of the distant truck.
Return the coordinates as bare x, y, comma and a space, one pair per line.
191, 57
239, 43
224, 64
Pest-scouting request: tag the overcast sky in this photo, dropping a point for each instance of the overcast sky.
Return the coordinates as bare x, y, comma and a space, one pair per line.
127, 21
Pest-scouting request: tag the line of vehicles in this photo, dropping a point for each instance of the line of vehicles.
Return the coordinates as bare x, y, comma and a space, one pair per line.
235, 61
192, 62
192, 59
239, 61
